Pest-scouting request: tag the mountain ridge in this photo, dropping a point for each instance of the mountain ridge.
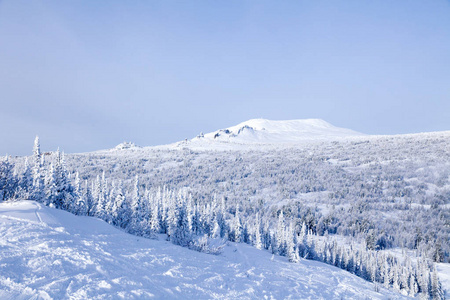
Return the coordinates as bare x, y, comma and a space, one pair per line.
264, 131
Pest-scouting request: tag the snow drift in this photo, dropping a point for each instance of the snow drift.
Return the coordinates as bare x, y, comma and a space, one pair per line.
48, 253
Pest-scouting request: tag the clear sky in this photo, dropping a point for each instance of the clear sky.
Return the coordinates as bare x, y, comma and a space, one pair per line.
87, 75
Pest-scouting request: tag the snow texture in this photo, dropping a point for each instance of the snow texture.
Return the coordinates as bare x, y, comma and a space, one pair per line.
51, 254
261, 131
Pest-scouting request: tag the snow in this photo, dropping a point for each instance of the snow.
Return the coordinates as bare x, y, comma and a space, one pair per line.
126, 145
275, 132
269, 135
443, 270
51, 254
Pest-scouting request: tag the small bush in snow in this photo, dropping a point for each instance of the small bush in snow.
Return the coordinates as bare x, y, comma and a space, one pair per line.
205, 245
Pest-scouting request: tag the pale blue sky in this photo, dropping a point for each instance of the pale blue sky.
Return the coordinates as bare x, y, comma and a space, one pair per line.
87, 75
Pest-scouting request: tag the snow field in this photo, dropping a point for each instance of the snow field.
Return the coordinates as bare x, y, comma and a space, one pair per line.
51, 254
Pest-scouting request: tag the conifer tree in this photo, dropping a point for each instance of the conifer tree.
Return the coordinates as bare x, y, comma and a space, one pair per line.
258, 241
216, 229
172, 218
26, 182
155, 225
189, 213
302, 241
78, 197
7, 179
90, 200
237, 227
123, 208
100, 193
38, 181
436, 287
137, 207
292, 253
110, 196
58, 187
50, 187
413, 286
83, 200
181, 235
280, 235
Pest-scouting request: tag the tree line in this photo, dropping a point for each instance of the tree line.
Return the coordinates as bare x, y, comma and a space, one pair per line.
197, 222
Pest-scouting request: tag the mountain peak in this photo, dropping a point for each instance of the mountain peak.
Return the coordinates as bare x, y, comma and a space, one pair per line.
285, 124
263, 131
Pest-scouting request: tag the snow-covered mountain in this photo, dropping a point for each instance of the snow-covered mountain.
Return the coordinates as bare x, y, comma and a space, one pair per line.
51, 254
352, 197
262, 131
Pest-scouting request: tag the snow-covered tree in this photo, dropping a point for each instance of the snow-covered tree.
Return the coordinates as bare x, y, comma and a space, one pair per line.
62, 196
180, 232
436, 288
38, 173
292, 252
121, 211
155, 225
258, 242
25, 188
8, 182
280, 241
237, 227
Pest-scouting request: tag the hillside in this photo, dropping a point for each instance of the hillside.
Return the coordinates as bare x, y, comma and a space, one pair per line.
376, 206
51, 254
348, 186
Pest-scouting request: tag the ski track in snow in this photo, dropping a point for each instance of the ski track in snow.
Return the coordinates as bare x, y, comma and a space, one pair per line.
51, 254
38, 207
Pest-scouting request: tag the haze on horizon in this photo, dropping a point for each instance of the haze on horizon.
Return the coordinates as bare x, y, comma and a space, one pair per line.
88, 75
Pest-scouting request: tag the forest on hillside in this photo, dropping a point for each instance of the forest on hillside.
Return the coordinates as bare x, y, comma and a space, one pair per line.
381, 193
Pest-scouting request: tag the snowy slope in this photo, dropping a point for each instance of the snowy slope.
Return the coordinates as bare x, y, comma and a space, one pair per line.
254, 134
263, 131
444, 276
47, 253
